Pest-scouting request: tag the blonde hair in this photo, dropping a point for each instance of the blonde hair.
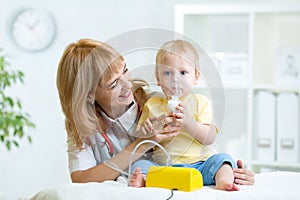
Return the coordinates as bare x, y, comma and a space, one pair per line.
181, 49
83, 66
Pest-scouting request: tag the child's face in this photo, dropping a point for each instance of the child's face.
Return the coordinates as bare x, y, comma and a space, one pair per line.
177, 77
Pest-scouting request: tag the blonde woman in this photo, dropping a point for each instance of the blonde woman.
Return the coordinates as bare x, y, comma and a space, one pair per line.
101, 107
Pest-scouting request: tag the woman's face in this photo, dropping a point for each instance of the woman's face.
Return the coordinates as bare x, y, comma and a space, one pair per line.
115, 95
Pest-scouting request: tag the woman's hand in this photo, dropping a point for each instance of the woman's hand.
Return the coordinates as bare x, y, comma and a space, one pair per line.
160, 127
243, 176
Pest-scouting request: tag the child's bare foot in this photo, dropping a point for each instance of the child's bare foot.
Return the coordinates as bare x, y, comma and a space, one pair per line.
137, 179
227, 186
225, 179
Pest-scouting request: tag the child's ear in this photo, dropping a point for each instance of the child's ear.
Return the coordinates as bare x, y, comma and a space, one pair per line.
157, 78
197, 77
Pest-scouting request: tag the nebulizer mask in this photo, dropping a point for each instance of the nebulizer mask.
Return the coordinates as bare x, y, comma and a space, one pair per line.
173, 100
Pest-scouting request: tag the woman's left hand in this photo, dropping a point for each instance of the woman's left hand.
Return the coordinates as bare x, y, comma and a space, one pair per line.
243, 176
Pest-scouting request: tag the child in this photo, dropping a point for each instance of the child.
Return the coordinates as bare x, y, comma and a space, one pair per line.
177, 70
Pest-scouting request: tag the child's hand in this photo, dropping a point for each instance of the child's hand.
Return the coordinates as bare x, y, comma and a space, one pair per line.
181, 115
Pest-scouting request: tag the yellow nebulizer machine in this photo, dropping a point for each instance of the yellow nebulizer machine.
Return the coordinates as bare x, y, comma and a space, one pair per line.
174, 178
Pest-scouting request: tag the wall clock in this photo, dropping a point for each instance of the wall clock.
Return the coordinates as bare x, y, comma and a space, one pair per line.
33, 29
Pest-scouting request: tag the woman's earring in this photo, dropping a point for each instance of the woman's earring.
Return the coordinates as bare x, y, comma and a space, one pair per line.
91, 100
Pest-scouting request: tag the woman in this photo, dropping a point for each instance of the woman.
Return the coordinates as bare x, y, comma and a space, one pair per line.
102, 105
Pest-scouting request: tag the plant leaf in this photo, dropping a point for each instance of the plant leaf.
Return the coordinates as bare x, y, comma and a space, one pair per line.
8, 145
16, 143
29, 139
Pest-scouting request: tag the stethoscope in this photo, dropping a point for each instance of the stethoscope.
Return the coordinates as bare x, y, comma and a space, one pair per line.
107, 142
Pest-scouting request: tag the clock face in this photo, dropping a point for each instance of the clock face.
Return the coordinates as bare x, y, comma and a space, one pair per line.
33, 29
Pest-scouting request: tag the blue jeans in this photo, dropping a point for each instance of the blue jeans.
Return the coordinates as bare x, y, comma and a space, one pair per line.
207, 168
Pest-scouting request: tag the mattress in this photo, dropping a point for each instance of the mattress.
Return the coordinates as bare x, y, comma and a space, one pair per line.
271, 185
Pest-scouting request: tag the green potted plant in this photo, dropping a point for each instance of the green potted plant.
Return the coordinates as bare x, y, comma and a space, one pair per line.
13, 120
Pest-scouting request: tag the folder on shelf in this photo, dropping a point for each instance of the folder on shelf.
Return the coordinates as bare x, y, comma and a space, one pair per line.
264, 126
288, 127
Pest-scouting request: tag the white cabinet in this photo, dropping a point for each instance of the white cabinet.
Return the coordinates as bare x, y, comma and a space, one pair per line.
256, 50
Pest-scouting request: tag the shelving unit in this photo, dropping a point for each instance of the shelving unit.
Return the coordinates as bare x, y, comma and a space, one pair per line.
247, 44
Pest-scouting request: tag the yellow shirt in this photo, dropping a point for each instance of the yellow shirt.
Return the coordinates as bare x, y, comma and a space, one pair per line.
182, 148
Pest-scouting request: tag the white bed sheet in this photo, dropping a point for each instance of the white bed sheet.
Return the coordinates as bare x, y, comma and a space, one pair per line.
271, 186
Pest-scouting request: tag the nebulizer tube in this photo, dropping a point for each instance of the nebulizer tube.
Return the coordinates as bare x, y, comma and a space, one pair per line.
174, 100
116, 168
153, 142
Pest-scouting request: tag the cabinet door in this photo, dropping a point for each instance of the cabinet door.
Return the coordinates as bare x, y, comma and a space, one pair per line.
264, 126
288, 127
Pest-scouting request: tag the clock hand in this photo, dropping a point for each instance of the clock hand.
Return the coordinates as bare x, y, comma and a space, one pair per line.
32, 23
35, 23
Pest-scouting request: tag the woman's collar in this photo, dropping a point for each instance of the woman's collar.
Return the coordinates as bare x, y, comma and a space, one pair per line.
126, 119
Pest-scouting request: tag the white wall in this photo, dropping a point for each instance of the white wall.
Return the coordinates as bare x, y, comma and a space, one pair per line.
43, 164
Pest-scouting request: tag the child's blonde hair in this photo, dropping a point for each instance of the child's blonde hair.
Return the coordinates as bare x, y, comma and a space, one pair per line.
179, 49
